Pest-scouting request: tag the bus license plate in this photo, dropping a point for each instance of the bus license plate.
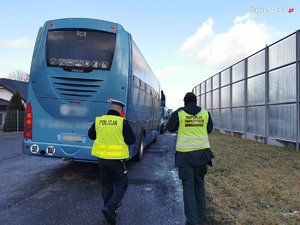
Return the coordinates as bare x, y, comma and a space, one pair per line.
71, 137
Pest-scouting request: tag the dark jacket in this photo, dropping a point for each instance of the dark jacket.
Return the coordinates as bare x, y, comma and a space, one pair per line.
128, 134
194, 158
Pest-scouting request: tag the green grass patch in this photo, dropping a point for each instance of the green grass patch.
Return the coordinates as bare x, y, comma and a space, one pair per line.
252, 183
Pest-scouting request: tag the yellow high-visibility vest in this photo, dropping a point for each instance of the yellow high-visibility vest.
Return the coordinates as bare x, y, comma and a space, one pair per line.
109, 143
192, 132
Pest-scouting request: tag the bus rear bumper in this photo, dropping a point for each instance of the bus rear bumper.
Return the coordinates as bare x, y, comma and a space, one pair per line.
64, 151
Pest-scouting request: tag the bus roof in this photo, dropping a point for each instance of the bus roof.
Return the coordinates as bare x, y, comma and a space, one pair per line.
83, 22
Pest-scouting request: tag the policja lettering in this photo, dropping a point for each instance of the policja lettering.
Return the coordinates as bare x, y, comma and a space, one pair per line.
108, 122
193, 121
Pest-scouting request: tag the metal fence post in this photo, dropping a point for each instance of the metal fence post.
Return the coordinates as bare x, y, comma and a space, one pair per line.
17, 120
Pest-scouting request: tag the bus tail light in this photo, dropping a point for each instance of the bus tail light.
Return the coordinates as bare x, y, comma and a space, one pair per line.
28, 122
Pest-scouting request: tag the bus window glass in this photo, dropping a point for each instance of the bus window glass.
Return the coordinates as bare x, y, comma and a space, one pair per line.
76, 50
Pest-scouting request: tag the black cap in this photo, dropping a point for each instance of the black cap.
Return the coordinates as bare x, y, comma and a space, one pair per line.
190, 97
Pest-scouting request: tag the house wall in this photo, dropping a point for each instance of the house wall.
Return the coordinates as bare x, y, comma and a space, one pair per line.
6, 95
2, 119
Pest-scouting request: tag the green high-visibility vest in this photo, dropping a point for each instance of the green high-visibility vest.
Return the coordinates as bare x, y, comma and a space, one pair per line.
109, 143
192, 132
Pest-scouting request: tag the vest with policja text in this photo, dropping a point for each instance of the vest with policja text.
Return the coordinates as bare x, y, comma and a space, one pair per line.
109, 142
192, 132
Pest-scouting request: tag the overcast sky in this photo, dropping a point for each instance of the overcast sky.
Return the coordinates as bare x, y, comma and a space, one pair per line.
184, 41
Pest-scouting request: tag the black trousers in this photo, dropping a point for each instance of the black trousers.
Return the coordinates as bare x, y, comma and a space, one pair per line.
193, 193
114, 182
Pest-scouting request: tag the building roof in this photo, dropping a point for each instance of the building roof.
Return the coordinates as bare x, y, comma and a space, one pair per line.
14, 85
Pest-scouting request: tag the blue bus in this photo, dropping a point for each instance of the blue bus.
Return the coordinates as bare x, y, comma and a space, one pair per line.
78, 65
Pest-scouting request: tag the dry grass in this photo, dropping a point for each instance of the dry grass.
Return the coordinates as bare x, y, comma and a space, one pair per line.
252, 183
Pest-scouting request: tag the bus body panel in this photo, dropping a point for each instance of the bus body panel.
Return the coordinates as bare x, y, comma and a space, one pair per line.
65, 102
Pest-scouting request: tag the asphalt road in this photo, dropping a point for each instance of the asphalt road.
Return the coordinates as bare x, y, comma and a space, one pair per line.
43, 191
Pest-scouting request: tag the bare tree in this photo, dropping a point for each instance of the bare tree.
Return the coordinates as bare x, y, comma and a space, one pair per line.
19, 75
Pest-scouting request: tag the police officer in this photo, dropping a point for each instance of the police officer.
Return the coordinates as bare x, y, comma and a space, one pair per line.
193, 153
112, 135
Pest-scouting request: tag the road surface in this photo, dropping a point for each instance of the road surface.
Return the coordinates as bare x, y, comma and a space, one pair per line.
44, 191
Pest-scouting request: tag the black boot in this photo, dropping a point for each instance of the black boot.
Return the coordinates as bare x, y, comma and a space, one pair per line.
110, 216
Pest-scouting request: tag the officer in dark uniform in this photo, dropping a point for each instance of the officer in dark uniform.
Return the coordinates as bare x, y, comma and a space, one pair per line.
193, 154
112, 134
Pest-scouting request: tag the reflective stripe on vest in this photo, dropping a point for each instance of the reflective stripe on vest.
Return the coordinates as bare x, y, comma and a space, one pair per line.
192, 132
109, 143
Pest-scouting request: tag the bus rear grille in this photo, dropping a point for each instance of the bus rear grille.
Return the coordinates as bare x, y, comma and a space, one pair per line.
76, 88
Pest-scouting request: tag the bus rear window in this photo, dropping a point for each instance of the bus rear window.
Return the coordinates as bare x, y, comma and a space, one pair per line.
80, 50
